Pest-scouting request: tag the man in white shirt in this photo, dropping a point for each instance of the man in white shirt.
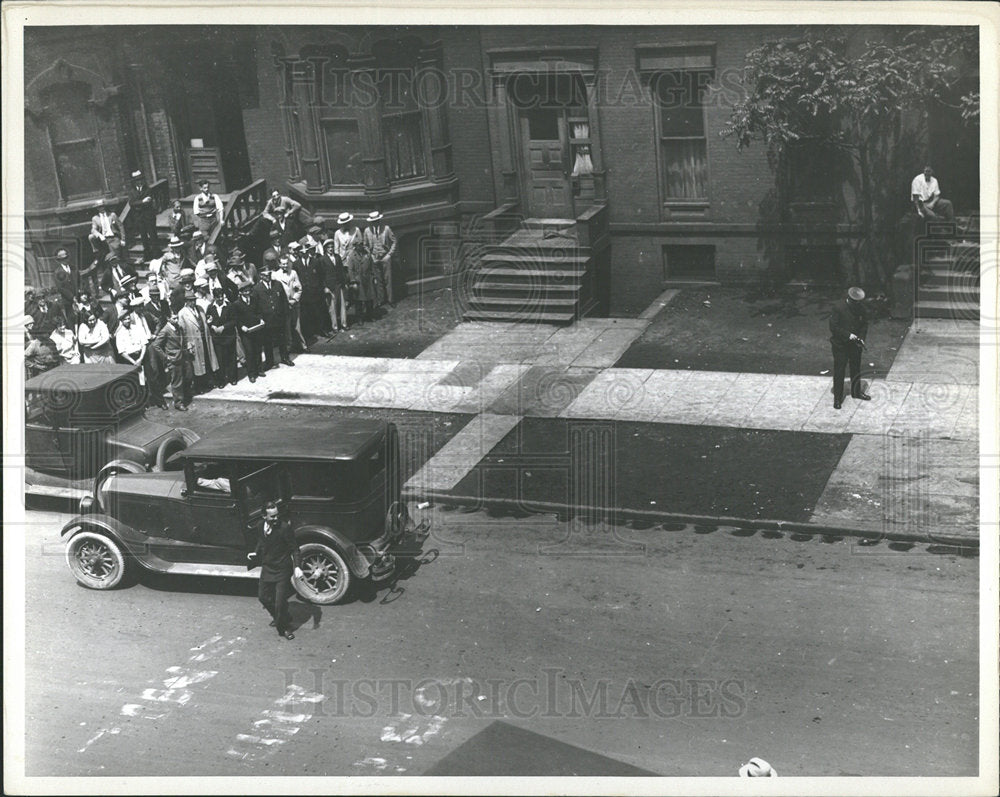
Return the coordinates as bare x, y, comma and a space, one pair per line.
927, 199
207, 210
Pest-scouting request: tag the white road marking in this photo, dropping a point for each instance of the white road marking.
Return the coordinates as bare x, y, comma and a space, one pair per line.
158, 703
275, 723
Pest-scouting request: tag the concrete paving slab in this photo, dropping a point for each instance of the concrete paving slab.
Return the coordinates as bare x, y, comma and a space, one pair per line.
609, 393
877, 416
701, 392
903, 483
566, 345
657, 390
491, 387
607, 348
394, 389
788, 402
930, 410
739, 402
440, 398
468, 373
824, 418
463, 452
967, 425
443, 366
938, 350
543, 391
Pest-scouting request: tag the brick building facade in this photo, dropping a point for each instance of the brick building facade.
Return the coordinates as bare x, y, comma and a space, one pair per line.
437, 127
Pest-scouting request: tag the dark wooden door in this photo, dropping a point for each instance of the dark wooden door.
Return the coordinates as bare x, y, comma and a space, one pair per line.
545, 143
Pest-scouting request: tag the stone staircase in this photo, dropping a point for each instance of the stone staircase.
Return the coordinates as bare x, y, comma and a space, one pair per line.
947, 284
543, 272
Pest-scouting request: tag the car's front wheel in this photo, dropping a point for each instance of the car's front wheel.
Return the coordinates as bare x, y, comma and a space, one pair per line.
96, 560
325, 575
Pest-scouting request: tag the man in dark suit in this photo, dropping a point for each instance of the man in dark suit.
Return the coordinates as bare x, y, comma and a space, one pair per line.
308, 265
153, 310
66, 278
118, 274
271, 303
249, 324
335, 279
142, 213
278, 557
848, 327
222, 324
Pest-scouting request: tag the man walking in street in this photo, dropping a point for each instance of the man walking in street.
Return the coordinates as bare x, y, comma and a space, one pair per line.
848, 327
277, 555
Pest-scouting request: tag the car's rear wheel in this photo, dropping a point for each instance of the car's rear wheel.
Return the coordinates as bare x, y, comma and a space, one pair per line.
325, 575
96, 560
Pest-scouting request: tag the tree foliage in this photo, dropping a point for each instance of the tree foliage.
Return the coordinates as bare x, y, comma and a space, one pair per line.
850, 93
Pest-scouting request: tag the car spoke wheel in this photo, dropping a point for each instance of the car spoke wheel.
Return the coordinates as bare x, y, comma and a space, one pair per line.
325, 576
96, 560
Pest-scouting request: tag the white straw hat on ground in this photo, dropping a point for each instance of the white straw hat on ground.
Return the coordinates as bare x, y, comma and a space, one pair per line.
757, 768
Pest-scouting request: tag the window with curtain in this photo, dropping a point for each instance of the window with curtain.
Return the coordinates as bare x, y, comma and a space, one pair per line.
73, 136
680, 106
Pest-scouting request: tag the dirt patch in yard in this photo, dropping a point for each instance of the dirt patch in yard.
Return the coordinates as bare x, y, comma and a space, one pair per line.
747, 330
403, 331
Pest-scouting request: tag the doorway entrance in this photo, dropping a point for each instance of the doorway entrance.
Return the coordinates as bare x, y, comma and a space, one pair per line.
207, 117
551, 123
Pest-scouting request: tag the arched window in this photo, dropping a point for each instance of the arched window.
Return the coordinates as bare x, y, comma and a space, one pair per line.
72, 132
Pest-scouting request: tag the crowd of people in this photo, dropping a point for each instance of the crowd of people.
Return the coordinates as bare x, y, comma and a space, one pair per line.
193, 322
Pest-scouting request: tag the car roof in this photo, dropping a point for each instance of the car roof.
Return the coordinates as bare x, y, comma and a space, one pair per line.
84, 377
334, 438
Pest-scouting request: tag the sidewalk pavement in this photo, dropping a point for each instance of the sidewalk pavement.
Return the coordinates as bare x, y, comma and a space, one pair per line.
912, 464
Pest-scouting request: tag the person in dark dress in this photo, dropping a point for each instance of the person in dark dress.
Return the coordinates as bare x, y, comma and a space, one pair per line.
277, 555
848, 328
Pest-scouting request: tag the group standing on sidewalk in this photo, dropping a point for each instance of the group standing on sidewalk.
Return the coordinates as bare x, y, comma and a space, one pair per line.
192, 325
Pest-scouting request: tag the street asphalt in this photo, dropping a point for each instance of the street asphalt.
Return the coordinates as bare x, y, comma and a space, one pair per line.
514, 646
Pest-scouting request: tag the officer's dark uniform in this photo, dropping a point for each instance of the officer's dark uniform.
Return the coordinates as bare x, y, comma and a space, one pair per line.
271, 303
847, 317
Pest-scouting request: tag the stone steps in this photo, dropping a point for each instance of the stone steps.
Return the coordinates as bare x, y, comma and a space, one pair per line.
536, 274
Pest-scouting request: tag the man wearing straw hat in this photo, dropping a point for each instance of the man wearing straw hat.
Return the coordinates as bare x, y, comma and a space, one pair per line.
381, 244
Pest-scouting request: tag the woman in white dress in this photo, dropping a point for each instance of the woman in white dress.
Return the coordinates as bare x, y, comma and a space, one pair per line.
95, 340
65, 340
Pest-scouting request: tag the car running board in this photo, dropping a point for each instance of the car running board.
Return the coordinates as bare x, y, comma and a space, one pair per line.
159, 565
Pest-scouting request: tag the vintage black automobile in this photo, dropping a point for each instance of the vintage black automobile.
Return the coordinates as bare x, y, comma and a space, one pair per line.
338, 482
85, 423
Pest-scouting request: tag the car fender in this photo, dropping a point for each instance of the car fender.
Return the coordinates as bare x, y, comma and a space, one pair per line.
360, 566
132, 541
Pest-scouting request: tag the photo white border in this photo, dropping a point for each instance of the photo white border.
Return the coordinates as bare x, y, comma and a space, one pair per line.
69, 12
